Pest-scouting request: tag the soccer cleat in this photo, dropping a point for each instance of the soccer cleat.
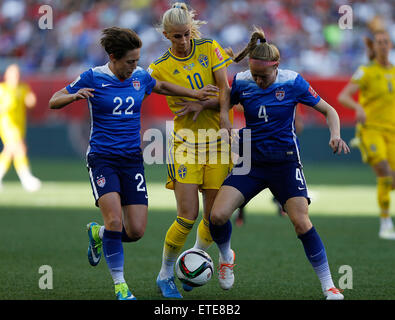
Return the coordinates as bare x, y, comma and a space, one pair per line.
122, 292
168, 288
225, 273
186, 287
333, 294
387, 233
31, 183
95, 244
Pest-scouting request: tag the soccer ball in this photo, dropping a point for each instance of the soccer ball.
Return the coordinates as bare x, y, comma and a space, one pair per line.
194, 267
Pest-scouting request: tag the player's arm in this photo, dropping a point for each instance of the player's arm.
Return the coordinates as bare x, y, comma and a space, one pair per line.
62, 97
335, 142
346, 99
221, 78
224, 98
171, 89
30, 99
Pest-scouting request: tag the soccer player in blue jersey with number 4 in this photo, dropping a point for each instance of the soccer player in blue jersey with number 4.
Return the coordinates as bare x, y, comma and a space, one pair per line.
115, 92
269, 96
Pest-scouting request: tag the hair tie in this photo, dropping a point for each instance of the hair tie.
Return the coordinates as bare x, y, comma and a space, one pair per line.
177, 6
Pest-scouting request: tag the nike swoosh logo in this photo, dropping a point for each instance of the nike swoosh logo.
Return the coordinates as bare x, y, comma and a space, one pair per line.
245, 93
94, 257
110, 255
312, 256
301, 188
105, 85
146, 196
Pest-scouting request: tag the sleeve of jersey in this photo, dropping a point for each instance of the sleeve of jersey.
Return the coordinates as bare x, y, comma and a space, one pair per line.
358, 76
305, 93
150, 83
234, 93
219, 57
84, 80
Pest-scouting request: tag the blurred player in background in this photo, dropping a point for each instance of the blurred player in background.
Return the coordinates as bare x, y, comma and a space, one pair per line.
270, 96
240, 213
192, 63
14, 98
375, 116
115, 92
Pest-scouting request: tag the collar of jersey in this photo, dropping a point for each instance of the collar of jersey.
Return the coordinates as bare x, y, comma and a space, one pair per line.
106, 69
186, 58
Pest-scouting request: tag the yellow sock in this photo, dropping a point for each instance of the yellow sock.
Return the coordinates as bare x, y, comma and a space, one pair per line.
203, 236
175, 239
5, 163
21, 165
384, 187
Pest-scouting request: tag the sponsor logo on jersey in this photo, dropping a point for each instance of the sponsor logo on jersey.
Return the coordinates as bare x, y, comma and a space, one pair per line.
313, 93
101, 181
189, 67
203, 60
182, 171
280, 94
218, 53
136, 84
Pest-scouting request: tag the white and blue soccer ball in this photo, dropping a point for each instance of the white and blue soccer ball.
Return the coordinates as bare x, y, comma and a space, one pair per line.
194, 267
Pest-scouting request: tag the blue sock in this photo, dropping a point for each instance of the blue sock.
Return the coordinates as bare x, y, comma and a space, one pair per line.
113, 253
221, 236
315, 252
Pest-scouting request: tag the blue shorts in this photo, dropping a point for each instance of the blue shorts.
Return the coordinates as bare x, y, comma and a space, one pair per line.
124, 175
285, 180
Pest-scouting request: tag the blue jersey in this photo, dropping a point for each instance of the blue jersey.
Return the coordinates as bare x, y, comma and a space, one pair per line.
114, 109
270, 113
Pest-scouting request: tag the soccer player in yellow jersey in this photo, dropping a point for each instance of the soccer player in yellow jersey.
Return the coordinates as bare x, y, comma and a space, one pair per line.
375, 115
191, 62
15, 97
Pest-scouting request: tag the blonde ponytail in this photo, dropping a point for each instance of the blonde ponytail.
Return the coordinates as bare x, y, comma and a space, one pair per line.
179, 14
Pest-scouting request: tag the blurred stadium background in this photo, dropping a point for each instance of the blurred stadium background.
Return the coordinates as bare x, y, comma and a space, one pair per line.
37, 225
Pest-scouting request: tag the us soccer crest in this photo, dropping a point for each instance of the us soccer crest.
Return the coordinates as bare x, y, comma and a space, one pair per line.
136, 85
203, 60
182, 171
101, 181
280, 94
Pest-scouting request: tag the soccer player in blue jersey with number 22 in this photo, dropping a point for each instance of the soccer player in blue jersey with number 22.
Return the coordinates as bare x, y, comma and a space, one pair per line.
115, 92
269, 96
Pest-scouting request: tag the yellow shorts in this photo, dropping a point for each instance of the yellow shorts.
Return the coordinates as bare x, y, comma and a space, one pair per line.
206, 166
376, 145
11, 133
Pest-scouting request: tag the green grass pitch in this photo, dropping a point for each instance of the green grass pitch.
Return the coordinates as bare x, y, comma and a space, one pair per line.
48, 228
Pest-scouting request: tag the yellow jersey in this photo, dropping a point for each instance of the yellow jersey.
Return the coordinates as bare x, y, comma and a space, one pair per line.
377, 94
12, 104
194, 71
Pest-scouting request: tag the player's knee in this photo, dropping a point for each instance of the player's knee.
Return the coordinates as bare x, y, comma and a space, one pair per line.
302, 225
218, 217
136, 235
113, 223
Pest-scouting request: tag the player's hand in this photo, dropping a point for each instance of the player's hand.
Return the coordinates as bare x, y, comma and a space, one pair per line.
338, 145
189, 106
206, 92
83, 93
